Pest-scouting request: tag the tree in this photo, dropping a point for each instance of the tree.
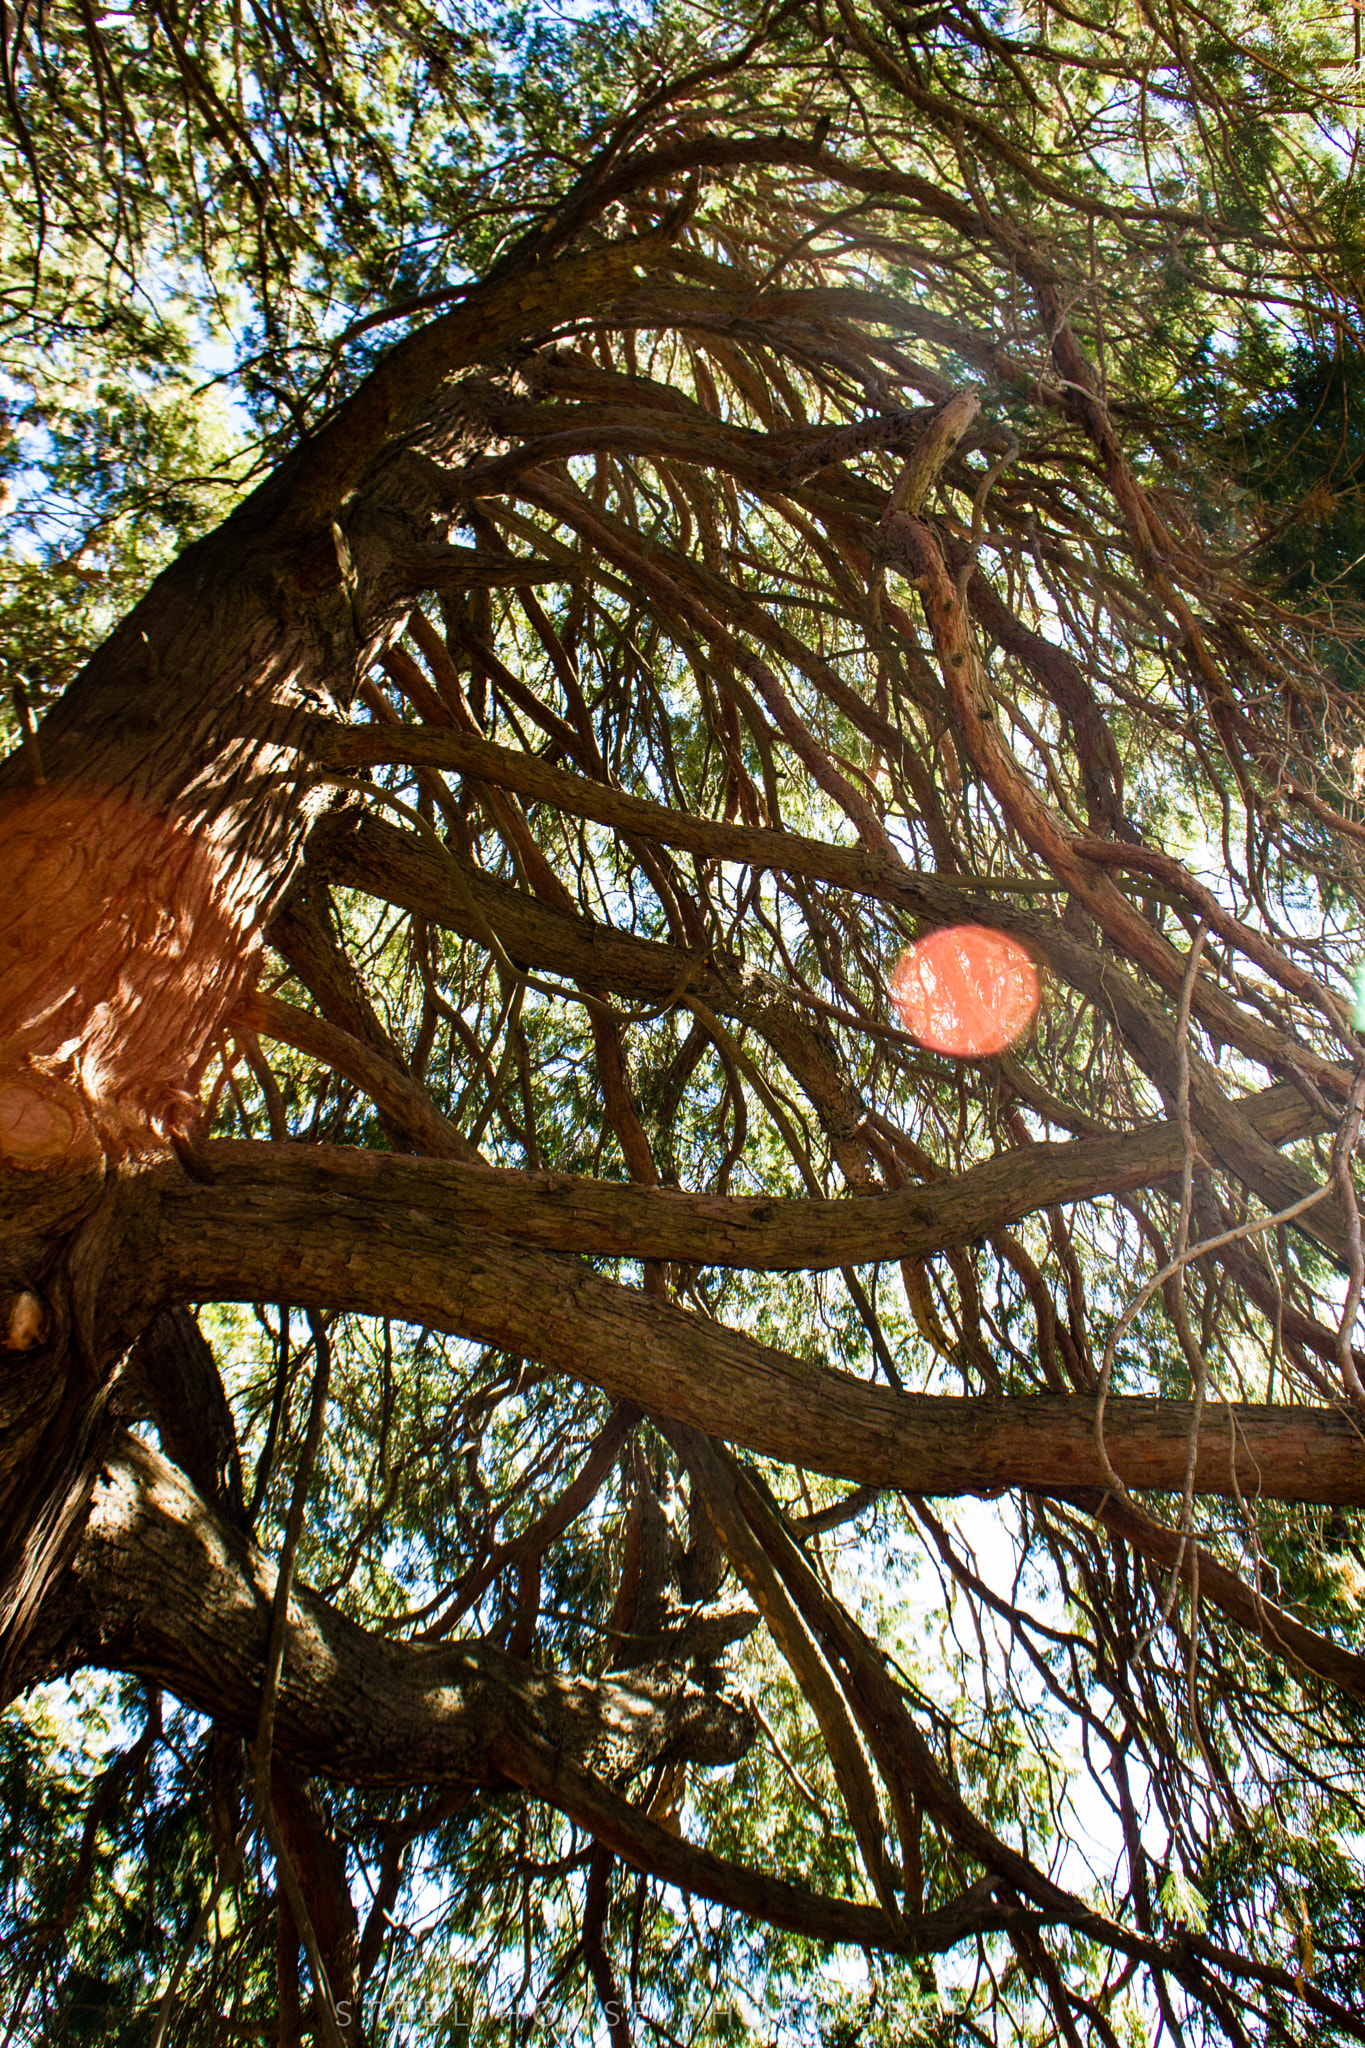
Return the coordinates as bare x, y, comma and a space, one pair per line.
843, 476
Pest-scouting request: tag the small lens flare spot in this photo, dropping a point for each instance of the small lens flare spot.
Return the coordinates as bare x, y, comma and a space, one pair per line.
967, 992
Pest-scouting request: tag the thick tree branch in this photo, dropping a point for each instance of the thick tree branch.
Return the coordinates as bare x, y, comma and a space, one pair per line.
856, 868
407, 1108
786, 1234
367, 854
536, 298
756, 1893
172, 1376
160, 1586
317, 1247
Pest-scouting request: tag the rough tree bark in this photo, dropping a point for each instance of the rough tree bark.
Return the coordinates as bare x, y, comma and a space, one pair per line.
173, 819
174, 803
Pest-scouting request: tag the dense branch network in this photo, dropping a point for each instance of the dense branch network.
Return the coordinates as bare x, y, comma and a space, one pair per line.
809, 535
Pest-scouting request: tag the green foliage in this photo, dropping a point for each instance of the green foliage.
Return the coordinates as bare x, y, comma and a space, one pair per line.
1305, 446
207, 244
109, 1849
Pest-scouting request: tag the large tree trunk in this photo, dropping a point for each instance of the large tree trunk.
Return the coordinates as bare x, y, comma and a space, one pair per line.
140, 875
148, 836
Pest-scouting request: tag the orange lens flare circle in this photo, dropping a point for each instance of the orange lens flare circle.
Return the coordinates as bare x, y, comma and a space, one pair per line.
967, 992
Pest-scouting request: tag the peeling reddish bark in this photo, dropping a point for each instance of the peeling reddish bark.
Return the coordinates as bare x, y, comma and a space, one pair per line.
127, 941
